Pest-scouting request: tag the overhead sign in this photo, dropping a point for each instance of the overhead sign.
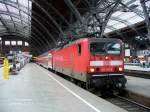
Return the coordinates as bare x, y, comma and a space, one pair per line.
127, 52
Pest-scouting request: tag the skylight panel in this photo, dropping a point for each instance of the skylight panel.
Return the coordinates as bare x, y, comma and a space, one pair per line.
30, 5
5, 16
10, 26
107, 30
23, 2
119, 26
2, 28
25, 24
117, 13
127, 15
135, 19
18, 27
3, 7
10, 23
24, 9
29, 18
1, 23
16, 20
125, 1
24, 15
13, 10
137, 2
147, 3
18, 24
112, 22
139, 8
13, 0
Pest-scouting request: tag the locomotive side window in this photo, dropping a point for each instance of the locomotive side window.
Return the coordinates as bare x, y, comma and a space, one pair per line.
79, 49
105, 48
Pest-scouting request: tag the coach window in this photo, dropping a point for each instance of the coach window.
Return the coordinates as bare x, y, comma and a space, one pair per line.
79, 49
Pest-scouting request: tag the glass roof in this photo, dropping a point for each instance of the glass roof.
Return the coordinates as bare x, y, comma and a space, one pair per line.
15, 15
123, 18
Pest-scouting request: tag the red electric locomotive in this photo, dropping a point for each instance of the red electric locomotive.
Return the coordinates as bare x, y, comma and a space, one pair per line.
96, 62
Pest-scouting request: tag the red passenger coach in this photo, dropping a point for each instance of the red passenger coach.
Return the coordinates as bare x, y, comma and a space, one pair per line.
1, 60
43, 60
92, 61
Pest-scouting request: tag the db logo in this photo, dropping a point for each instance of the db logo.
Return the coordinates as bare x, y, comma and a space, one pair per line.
106, 62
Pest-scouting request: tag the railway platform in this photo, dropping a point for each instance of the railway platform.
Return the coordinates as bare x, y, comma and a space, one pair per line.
1, 74
139, 89
137, 71
36, 89
138, 85
137, 68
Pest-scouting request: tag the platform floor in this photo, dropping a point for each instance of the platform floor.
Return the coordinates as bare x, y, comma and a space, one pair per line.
139, 86
35, 89
1, 74
137, 68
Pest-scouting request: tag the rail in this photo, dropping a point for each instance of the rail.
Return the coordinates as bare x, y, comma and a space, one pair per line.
140, 74
128, 104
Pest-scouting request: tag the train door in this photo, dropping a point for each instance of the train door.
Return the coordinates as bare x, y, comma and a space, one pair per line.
50, 64
72, 59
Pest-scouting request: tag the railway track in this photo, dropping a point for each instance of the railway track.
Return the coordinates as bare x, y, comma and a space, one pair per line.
127, 104
122, 102
138, 74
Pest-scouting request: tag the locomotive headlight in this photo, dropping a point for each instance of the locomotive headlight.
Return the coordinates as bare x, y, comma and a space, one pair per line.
92, 70
120, 69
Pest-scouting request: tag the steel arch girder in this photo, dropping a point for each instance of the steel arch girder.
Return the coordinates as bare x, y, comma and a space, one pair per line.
33, 18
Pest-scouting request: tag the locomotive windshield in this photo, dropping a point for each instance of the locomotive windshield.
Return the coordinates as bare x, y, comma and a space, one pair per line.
105, 48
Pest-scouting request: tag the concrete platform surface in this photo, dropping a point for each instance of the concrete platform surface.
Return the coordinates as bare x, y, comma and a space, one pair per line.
139, 86
1, 65
1, 74
36, 89
137, 68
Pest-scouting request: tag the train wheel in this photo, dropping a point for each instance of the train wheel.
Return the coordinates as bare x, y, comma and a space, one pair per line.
87, 86
79, 84
122, 92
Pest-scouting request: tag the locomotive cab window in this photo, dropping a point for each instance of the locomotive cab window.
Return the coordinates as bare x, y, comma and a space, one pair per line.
105, 48
79, 49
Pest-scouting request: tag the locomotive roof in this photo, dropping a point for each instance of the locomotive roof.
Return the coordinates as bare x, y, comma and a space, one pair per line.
91, 40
